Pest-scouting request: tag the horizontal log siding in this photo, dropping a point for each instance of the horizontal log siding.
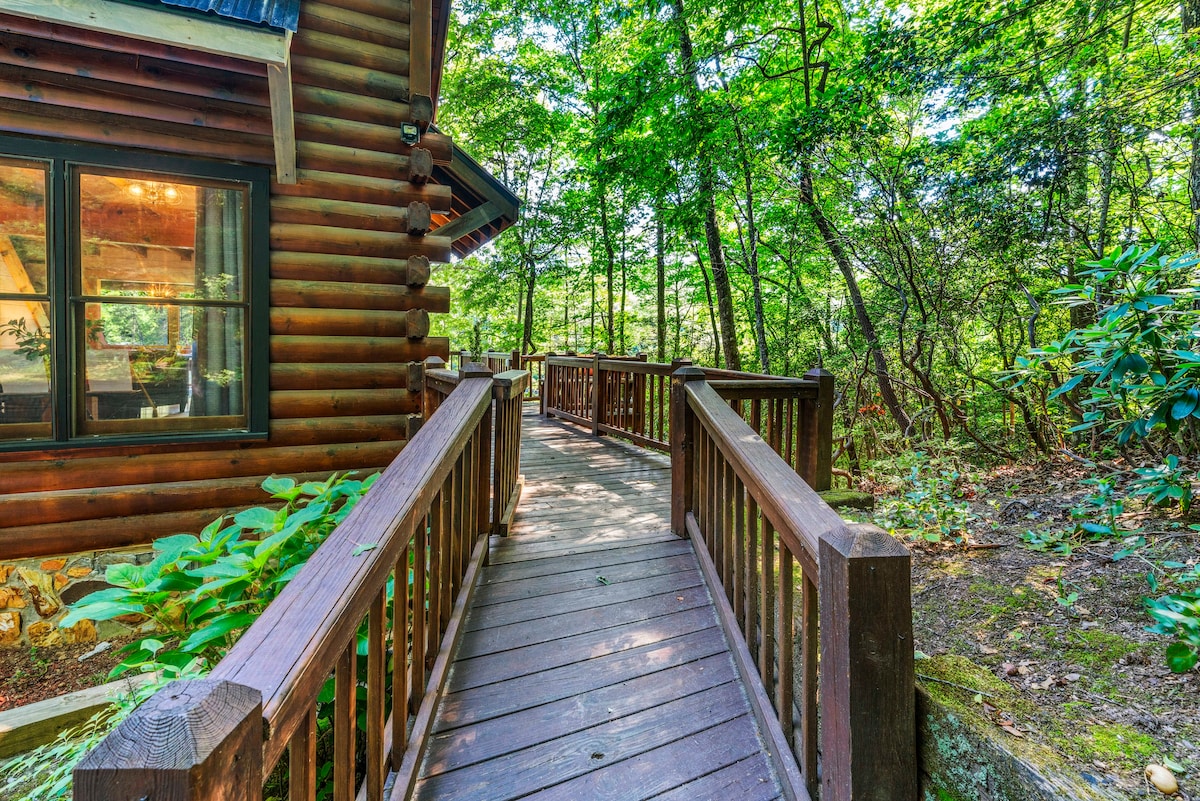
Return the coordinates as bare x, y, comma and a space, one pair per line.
341, 289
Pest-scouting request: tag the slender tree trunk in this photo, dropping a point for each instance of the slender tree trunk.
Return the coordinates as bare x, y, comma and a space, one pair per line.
760, 325
1190, 15
712, 317
660, 275
527, 329
609, 267
706, 188
882, 376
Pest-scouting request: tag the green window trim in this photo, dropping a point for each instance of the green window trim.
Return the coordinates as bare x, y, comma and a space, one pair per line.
71, 309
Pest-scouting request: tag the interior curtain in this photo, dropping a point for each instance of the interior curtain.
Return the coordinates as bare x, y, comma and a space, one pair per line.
220, 245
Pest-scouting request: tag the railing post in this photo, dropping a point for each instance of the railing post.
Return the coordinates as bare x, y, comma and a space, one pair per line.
196, 740
547, 387
823, 430
483, 456
683, 449
598, 398
868, 723
429, 399
514, 363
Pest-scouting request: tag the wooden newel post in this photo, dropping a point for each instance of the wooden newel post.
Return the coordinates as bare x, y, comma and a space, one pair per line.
683, 449
192, 741
547, 388
598, 399
824, 428
868, 718
483, 455
429, 397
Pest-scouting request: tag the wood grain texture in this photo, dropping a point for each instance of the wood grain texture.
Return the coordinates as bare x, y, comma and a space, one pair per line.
591, 666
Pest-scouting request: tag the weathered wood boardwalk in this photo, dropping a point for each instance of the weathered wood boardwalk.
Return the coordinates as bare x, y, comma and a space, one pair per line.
593, 665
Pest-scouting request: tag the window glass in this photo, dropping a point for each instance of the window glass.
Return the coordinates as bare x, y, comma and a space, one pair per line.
25, 374
162, 319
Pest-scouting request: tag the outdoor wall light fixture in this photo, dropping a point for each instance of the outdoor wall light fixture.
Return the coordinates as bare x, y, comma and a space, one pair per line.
410, 134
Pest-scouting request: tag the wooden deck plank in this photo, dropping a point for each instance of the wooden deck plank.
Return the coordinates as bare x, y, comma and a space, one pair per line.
553, 584
479, 742
592, 664
584, 752
515, 662
668, 766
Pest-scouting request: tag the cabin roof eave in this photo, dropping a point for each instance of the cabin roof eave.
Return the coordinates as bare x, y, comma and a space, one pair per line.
483, 206
208, 34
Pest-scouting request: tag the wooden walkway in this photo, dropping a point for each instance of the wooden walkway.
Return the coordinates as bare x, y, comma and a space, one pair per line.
592, 664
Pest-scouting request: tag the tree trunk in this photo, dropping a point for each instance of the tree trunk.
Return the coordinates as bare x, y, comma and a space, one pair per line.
706, 188
1189, 12
527, 329
609, 265
660, 286
760, 326
882, 376
712, 317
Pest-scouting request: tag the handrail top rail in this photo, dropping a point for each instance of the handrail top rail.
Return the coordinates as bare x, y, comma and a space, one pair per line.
510, 383
287, 653
798, 513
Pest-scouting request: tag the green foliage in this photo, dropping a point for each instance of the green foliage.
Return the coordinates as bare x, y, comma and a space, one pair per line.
30, 344
200, 592
1165, 484
44, 773
930, 502
1178, 615
1138, 363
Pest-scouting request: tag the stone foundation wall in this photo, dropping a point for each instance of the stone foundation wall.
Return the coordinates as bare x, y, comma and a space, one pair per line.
35, 594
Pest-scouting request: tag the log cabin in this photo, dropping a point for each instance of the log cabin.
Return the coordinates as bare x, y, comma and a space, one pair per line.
216, 226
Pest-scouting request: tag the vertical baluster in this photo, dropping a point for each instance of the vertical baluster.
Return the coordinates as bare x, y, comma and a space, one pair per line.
727, 538
446, 559
718, 517
739, 551
701, 499
302, 760
766, 603
400, 645
344, 722
420, 644
785, 642
789, 431
455, 525
376, 694
750, 627
809, 640
661, 431
756, 416
714, 532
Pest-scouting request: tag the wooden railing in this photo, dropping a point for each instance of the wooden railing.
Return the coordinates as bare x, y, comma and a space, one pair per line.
831, 643
631, 399
498, 361
509, 392
402, 567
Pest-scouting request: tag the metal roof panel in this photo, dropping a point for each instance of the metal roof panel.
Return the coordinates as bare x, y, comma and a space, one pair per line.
282, 14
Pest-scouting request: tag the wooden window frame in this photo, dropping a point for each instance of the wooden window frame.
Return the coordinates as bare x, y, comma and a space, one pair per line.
65, 159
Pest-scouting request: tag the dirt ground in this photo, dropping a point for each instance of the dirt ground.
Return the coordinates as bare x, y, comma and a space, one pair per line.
1067, 632
35, 674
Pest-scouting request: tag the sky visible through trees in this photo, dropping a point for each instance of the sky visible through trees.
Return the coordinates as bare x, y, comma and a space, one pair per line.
893, 190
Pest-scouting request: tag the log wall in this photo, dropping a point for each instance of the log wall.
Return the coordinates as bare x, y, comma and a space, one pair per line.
349, 308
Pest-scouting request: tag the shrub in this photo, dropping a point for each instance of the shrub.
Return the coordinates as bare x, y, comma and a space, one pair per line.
200, 592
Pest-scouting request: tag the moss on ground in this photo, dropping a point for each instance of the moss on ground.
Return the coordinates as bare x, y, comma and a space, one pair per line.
1117, 744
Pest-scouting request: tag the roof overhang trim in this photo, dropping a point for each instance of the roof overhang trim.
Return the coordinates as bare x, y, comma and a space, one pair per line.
262, 45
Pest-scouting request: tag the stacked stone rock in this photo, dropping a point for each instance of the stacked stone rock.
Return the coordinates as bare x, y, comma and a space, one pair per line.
35, 594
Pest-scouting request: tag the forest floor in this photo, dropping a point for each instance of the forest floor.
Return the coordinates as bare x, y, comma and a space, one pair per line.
1066, 631
28, 675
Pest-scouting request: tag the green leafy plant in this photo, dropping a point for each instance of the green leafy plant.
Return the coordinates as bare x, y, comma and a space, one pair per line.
199, 592
1178, 615
1138, 364
930, 503
1096, 515
1164, 484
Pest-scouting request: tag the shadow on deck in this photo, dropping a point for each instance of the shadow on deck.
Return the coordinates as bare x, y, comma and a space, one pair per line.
593, 664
